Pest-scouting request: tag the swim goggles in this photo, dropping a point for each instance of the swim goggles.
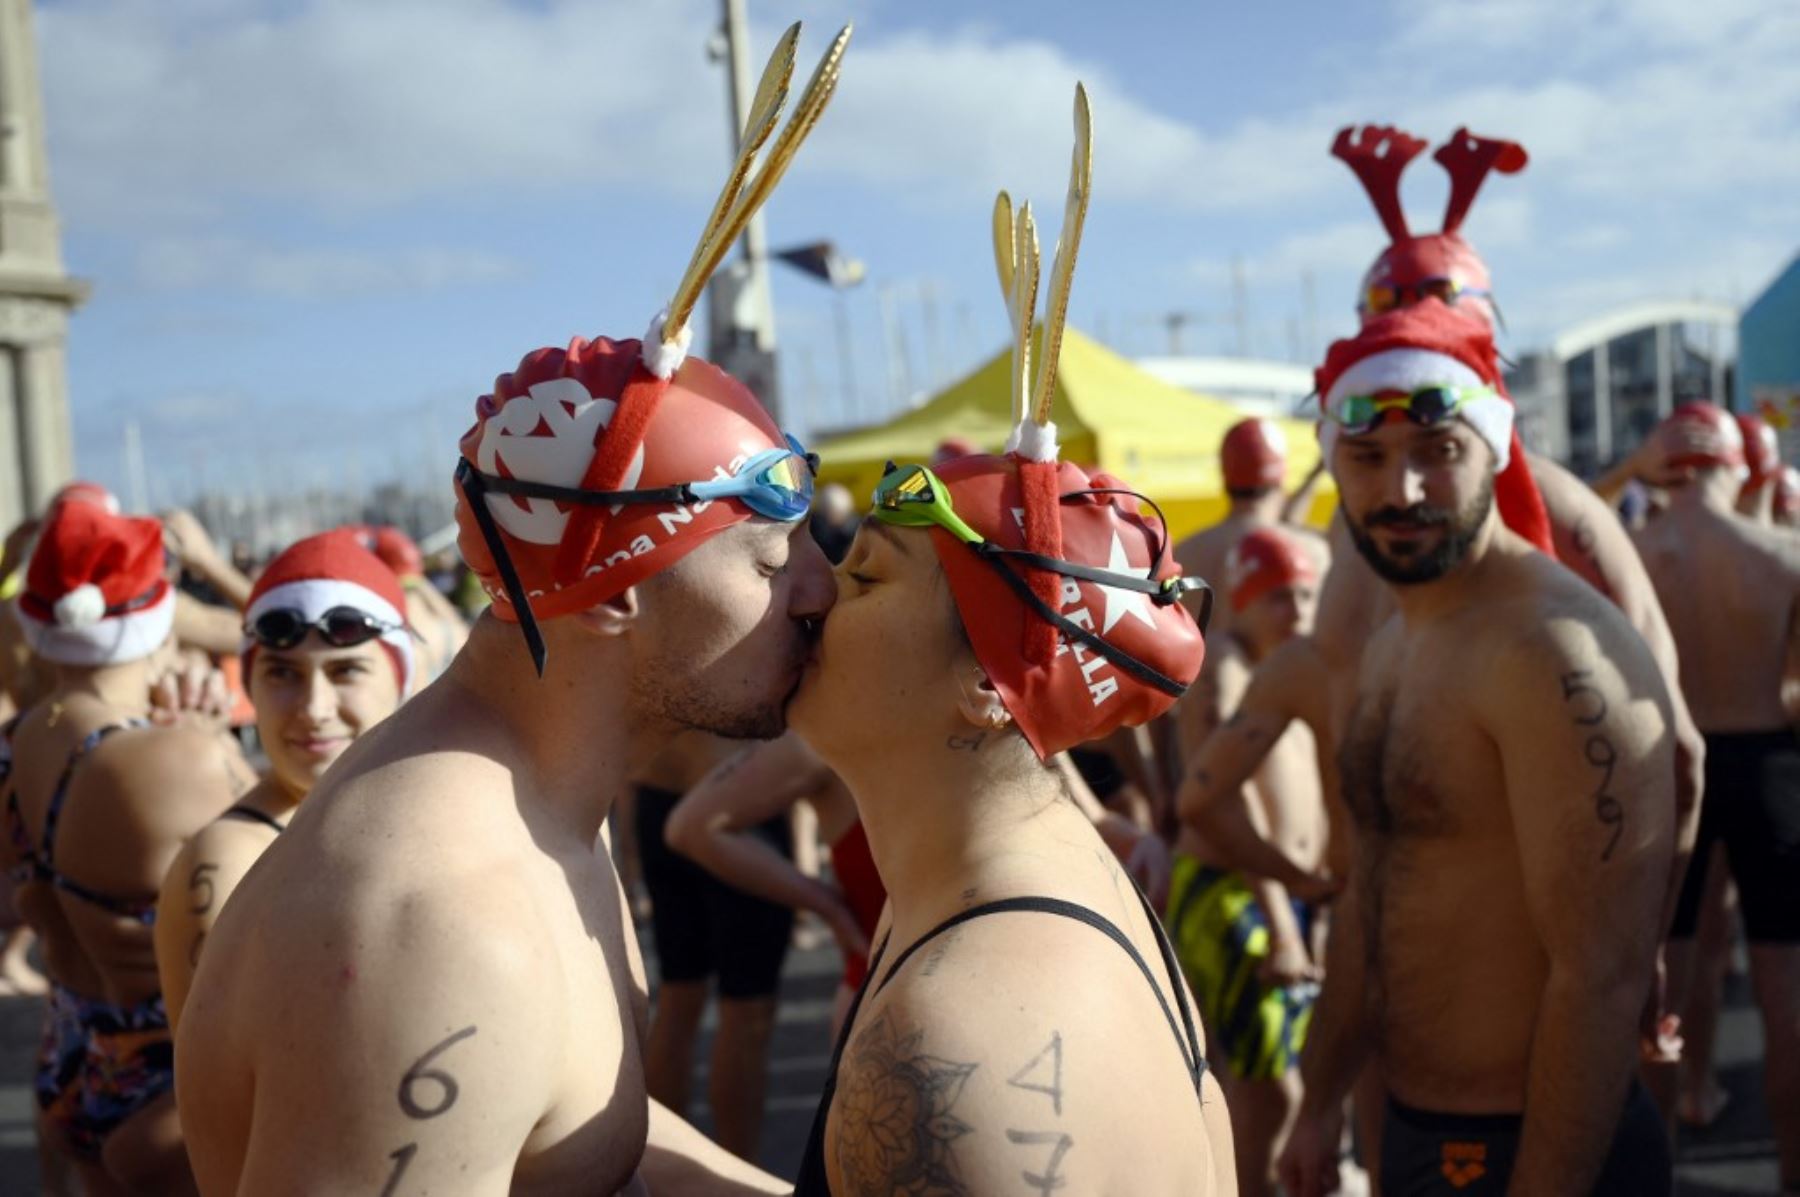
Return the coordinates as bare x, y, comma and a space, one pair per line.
911, 496
340, 627
776, 483
1385, 297
1359, 414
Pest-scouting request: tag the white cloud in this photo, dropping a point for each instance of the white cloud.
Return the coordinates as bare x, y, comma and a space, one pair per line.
228, 264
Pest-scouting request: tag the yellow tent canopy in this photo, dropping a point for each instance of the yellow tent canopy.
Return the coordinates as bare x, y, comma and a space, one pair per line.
1161, 439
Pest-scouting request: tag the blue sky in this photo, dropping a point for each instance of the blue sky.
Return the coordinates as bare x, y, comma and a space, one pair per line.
317, 229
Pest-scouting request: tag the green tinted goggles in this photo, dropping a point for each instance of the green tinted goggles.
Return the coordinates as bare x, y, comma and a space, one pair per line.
911, 496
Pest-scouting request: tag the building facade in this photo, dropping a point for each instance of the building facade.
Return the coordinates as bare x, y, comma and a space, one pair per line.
1598, 390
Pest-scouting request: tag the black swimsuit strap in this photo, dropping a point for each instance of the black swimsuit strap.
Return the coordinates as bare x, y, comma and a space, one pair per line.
1189, 1046
142, 910
59, 795
255, 816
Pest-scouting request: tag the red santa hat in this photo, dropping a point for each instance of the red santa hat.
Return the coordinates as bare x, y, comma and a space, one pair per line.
1429, 344
1264, 560
1762, 450
1253, 455
613, 415
1072, 657
1702, 435
1379, 155
397, 550
95, 590
327, 571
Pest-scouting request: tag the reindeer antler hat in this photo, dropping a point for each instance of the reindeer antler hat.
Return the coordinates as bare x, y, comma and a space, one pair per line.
1442, 266
1440, 263
577, 478
1071, 599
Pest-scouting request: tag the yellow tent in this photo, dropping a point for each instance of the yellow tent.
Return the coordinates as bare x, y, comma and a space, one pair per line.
1161, 439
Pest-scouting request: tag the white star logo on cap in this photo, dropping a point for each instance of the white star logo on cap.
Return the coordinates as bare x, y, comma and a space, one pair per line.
1119, 601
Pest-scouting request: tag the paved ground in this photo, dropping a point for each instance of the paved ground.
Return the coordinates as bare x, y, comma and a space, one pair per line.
1734, 1158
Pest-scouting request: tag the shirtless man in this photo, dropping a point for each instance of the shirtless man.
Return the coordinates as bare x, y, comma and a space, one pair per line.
428, 983
1244, 945
1730, 586
1253, 462
1509, 762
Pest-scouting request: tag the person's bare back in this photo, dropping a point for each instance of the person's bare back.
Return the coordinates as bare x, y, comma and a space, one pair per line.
1728, 587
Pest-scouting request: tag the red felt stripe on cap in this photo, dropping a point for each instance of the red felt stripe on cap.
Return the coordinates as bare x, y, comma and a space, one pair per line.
619, 442
1043, 535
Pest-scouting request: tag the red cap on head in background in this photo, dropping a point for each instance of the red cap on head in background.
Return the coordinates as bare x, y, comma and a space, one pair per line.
1702, 435
1762, 451
1263, 560
87, 492
95, 589
334, 569
1253, 455
1429, 344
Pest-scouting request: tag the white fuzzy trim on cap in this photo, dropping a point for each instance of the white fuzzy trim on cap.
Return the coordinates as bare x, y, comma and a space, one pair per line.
1034, 442
128, 637
312, 597
660, 358
81, 607
1412, 369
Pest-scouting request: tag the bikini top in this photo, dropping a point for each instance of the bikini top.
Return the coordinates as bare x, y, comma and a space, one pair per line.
812, 1181
42, 861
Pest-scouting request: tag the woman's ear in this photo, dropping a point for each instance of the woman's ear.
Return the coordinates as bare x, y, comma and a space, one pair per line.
979, 701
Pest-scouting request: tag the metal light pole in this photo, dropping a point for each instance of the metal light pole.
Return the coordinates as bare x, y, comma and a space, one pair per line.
741, 324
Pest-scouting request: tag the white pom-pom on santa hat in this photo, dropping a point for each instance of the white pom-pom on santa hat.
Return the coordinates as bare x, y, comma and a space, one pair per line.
82, 607
664, 358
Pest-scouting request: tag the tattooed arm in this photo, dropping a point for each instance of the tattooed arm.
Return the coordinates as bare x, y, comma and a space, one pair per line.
1584, 730
208, 868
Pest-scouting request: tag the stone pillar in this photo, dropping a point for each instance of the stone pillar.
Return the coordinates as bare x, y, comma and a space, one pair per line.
36, 293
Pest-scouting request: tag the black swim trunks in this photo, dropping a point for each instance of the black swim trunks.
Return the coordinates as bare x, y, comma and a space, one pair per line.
1752, 806
1425, 1154
703, 927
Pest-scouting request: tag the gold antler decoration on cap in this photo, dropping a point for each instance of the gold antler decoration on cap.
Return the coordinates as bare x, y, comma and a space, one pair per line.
1068, 243
1017, 261
745, 192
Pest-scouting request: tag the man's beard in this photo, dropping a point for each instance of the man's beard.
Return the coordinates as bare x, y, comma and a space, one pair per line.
1460, 530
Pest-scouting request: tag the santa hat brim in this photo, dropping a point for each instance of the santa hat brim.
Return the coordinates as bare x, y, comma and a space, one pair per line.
1410, 369
114, 640
312, 597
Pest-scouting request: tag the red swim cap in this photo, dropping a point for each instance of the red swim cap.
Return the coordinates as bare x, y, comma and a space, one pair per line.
1253, 455
1762, 451
1073, 694
1265, 559
1701, 435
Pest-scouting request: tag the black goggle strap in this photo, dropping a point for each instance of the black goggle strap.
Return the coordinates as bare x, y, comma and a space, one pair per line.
1074, 631
1169, 590
571, 494
475, 486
